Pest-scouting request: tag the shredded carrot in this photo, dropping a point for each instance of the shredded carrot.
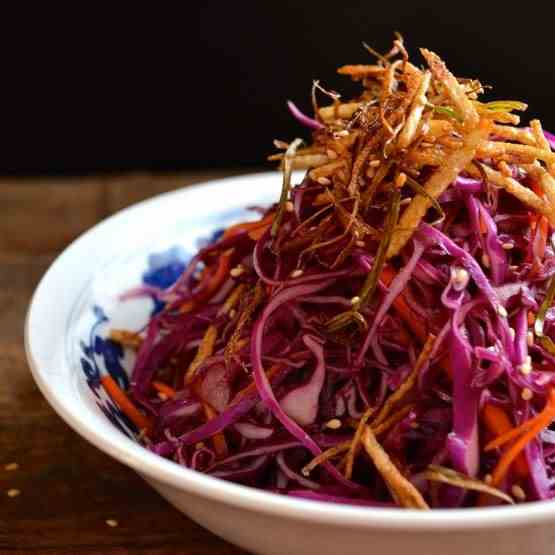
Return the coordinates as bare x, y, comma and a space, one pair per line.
529, 430
401, 306
218, 440
257, 233
251, 388
164, 389
498, 423
250, 227
125, 404
205, 350
212, 283
543, 230
531, 318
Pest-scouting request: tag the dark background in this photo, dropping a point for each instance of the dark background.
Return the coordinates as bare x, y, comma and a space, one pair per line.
84, 91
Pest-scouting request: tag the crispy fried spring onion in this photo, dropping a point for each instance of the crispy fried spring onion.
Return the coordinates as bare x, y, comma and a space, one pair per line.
341, 111
205, 349
456, 92
401, 489
408, 384
419, 190
513, 134
525, 195
546, 341
448, 476
325, 456
246, 315
387, 91
355, 443
233, 298
357, 72
419, 101
545, 180
366, 293
497, 106
286, 185
453, 164
308, 161
447, 111
392, 420
360, 160
497, 148
541, 141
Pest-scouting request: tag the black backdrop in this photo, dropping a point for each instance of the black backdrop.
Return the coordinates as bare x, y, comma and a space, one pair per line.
83, 91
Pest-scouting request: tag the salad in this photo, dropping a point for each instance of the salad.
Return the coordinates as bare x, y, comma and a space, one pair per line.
383, 335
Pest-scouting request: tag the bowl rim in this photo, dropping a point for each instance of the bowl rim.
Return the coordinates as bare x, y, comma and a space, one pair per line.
159, 469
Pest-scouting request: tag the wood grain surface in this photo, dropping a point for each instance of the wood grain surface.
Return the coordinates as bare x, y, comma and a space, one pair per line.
67, 488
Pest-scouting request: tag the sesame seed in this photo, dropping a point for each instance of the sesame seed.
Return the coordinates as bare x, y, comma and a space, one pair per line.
502, 311
513, 267
332, 155
508, 246
530, 338
162, 396
360, 243
199, 445
526, 367
343, 133
289, 207
232, 313
488, 479
485, 261
374, 163
512, 333
296, 273
526, 394
518, 493
237, 271
460, 277
355, 300
11, 466
323, 181
400, 180
13, 492
333, 424
112, 523
405, 201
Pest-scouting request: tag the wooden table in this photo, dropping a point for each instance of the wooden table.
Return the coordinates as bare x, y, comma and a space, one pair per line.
67, 488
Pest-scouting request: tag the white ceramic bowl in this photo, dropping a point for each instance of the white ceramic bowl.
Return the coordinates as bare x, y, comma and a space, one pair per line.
65, 357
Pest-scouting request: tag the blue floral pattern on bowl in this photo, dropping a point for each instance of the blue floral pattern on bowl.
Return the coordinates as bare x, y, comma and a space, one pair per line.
99, 355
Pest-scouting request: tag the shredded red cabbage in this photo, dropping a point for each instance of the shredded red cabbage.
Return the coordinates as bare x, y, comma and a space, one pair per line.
281, 341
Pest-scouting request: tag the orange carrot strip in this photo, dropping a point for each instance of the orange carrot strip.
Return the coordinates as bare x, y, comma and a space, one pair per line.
540, 422
498, 423
257, 233
248, 226
165, 389
251, 388
125, 404
543, 230
401, 306
218, 440
214, 282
